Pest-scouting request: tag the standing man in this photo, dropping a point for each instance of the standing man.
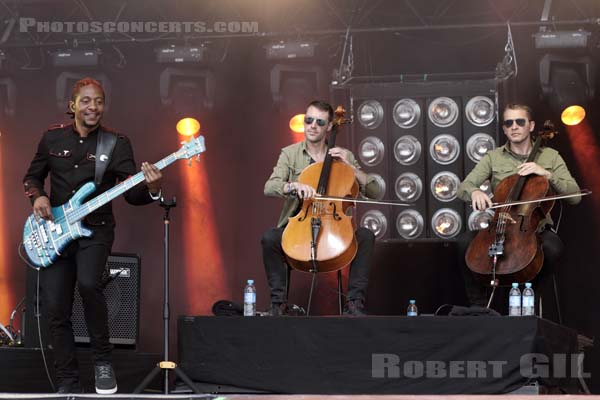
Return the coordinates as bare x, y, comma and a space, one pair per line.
70, 154
283, 182
509, 160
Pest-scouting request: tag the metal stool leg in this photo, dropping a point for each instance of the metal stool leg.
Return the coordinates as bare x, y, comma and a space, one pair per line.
560, 321
339, 277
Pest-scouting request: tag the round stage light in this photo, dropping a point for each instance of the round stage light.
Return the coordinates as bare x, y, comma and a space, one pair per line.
408, 187
480, 219
478, 145
407, 150
297, 123
375, 221
406, 113
572, 115
444, 186
370, 114
446, 223
371, 150
443, 112
444, 149
381, 186
188, 126
410, 224
480, 111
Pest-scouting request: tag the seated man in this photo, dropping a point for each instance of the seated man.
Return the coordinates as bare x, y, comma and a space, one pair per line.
283, 183
508, 160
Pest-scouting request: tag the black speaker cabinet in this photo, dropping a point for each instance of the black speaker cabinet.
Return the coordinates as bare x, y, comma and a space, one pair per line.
122, 294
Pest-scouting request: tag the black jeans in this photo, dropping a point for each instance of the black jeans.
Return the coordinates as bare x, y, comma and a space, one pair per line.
477, 293
277, 269
84, 266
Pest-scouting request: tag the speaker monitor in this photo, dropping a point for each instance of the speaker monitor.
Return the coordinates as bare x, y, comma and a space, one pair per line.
122, 294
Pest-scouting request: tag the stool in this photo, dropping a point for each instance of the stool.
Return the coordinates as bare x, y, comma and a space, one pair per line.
339, 288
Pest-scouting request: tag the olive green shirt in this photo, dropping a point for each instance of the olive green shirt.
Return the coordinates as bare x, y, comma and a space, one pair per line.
502, 162
292, 161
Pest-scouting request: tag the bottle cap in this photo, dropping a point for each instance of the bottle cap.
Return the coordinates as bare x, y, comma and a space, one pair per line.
412, 301
250, 281
528, 285
515, 285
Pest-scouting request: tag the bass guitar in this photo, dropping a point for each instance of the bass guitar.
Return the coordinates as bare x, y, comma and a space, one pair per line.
45, 240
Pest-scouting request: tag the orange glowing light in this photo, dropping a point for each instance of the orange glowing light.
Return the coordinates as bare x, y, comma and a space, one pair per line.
188, 126
573, 115
297, 123
205, 273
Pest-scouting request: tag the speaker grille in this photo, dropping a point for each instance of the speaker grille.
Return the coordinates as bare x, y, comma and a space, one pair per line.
122, 294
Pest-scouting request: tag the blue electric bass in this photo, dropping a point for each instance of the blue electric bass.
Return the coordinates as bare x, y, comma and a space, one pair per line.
44, 240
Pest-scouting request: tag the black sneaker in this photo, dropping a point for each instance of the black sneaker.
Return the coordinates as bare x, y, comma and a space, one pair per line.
106, 382
278, 309
355, 308
73, 387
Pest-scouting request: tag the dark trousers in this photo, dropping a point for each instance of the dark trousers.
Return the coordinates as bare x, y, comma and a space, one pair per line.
477, 293
277, 269
84, 266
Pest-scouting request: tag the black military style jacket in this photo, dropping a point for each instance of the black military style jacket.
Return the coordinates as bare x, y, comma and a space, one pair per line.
70, 161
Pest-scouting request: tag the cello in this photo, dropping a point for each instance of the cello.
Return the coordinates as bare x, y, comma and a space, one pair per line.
320, 237
510, 248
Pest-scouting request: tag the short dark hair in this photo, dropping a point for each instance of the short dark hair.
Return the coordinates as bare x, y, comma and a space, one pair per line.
323, 106
517, 106
77, 87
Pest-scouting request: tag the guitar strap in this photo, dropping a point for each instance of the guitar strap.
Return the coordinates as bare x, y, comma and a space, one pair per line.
104, 148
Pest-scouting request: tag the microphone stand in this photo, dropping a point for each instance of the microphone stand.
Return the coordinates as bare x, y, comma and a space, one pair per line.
165, 365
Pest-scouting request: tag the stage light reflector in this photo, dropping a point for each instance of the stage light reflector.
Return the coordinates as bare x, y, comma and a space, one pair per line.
444, 186
446, 223
443, 112
478, 145
188, 126
380, 182
408, 187
370, 114
407, 150
375, 221
480, 111
444, 149
410, 224
406, 113
297, 123
371, 150
480, 219
573, 115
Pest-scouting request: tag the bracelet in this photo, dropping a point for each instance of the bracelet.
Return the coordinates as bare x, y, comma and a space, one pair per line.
155, 196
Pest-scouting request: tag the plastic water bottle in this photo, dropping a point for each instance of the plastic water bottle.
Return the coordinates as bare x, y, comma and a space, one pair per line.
412, 310
250, 299
514, 301
528, 300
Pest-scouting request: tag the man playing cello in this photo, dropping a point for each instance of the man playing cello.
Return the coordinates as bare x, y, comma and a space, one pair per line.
283, 183
509, 160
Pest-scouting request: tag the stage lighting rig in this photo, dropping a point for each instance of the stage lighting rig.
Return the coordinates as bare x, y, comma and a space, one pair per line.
76, 57
180, 54
285, 50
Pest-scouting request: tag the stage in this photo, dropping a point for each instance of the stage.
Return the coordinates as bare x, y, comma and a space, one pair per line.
379, 355
245, 358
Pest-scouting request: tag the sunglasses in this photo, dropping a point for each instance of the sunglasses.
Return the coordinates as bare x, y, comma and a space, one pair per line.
310, 120
509, 122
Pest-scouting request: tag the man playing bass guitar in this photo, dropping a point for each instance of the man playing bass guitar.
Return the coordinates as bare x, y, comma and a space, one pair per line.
507, 160
70, 154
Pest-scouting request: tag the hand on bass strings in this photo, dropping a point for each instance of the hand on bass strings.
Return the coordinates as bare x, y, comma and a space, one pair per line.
42, 208
340, 153
153, 177
480, 201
